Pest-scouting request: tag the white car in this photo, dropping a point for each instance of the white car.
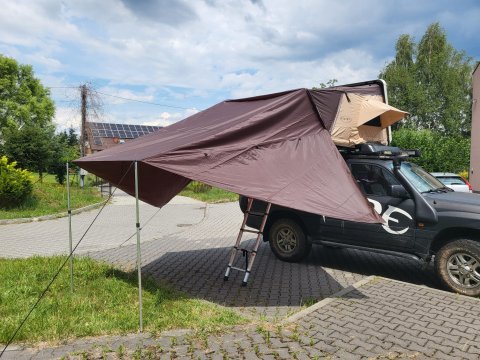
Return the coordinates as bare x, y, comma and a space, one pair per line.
453, 181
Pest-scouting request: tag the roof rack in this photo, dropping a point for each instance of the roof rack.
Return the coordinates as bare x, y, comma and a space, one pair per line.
374, 150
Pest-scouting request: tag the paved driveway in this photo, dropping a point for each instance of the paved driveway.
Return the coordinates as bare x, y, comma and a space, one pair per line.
194, 260
114, 226
187, 244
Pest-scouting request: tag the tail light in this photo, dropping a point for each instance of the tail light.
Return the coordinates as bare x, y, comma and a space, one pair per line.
469, 186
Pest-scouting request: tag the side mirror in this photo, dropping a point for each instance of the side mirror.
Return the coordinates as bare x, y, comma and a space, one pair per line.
399, 191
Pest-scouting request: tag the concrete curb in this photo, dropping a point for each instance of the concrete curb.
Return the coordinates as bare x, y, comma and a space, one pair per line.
51, 217
328, 300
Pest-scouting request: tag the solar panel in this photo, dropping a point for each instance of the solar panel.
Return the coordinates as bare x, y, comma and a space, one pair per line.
121, 131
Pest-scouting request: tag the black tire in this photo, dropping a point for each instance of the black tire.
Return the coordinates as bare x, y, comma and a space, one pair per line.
458, 266
288, 241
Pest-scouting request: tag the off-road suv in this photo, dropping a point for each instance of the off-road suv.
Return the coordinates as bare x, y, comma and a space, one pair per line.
423, 219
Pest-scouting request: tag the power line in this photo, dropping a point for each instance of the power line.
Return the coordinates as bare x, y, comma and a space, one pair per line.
125, 98
144, 102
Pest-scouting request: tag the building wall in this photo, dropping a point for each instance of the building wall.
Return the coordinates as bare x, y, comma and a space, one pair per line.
475, 148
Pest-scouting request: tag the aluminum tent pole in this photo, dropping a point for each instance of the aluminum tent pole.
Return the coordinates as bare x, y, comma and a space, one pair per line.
69, 210
139, 256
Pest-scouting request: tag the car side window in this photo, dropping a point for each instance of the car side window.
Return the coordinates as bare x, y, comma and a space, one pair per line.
372, 179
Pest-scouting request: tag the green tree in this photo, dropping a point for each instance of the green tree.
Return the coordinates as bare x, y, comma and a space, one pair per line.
432, 81
23, 99
26, 113
31, 146
328, 84
65, 149
438, 152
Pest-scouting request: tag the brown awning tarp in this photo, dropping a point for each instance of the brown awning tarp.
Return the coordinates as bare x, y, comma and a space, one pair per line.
275, 148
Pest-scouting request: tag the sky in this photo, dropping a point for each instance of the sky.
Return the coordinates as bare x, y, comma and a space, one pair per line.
155, 62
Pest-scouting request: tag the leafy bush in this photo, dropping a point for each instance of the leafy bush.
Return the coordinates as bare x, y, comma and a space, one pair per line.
15, 184
439, 152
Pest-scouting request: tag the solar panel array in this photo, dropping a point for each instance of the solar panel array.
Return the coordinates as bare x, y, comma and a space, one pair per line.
120, 131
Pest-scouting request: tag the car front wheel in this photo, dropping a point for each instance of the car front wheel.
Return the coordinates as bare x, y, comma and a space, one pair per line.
288, 241
458, 265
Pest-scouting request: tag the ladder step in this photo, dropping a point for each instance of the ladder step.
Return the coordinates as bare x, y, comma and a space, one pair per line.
236, 268
246, 250
251, 231
254, 213
249, 255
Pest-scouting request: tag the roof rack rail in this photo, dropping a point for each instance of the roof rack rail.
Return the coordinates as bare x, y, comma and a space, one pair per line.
378, 150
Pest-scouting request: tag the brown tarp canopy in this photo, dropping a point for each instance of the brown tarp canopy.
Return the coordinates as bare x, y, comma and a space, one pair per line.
275, 148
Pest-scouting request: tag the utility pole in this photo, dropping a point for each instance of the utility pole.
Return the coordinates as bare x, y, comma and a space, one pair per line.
83, 94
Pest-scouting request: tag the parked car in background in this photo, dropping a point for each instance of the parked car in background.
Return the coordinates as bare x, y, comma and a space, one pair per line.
453, 181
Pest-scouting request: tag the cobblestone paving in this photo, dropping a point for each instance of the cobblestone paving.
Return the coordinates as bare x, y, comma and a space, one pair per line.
188, 246
195, 260
383, 319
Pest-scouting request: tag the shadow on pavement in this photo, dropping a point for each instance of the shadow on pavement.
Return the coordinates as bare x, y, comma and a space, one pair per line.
369, 263
274, 288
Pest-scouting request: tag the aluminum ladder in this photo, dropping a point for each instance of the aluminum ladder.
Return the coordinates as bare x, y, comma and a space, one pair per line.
248, 254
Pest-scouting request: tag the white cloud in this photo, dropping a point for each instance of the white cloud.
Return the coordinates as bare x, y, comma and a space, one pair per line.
67, 117
196, 53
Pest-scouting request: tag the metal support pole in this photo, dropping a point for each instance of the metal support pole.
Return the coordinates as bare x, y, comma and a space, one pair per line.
139, 256
70, 243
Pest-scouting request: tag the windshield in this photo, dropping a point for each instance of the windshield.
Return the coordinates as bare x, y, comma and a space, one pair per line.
419, 178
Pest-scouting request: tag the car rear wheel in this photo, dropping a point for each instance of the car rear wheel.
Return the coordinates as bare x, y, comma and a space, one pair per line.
288, 241
458, 265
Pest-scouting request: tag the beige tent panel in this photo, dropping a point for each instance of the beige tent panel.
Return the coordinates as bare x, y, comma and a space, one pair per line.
371, 108
348, 128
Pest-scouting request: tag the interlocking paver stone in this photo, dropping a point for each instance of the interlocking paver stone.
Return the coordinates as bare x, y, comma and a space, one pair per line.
340, 343
188, 246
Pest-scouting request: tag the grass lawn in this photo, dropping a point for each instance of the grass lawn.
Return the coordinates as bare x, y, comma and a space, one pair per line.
207, 193
50, 197
104, 302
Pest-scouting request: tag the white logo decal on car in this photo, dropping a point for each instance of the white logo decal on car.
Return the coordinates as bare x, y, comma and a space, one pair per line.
387, 216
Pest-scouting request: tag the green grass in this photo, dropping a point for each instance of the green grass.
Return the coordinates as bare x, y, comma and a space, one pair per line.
50, 197
208, 194
105, 301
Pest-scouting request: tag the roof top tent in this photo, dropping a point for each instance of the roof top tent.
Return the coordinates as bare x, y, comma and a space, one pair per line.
474, 178
362, 100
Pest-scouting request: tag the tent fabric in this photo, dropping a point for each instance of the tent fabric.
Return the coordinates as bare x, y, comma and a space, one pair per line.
355, 111
275, 148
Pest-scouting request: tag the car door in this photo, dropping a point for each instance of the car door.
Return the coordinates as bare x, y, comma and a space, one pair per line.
397, 233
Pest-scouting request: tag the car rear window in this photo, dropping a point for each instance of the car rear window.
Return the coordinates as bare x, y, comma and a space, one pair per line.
451, 180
